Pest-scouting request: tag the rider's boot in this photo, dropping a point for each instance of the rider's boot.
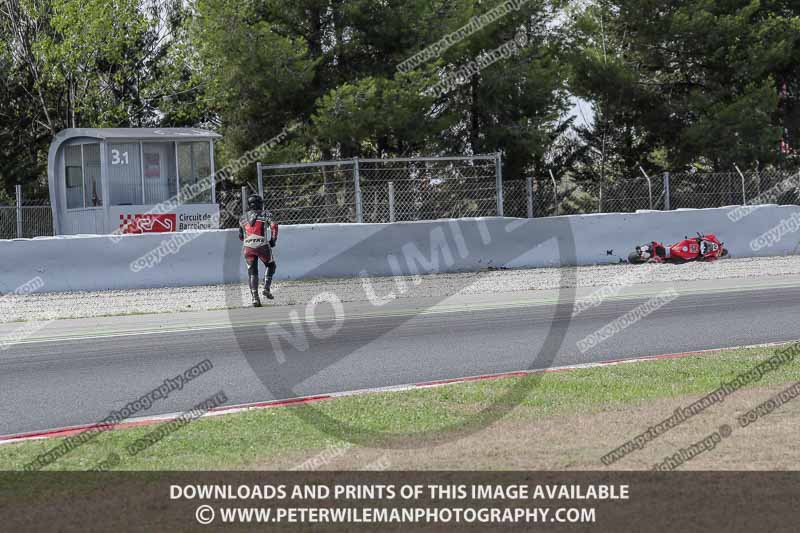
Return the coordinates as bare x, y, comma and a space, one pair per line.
254, 290
267, 286
271, 267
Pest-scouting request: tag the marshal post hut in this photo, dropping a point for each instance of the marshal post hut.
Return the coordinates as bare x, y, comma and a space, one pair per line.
107, 179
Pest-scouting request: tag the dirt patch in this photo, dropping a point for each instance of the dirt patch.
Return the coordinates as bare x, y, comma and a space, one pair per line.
578, 441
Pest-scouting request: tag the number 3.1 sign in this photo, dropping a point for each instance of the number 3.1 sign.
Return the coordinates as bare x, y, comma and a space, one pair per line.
118, 158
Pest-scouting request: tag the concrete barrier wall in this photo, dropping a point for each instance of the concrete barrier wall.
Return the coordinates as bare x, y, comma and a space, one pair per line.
72, 263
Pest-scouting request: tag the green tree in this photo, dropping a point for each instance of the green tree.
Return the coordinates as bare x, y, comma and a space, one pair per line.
87, 63
332, 64
517, 104
699, 79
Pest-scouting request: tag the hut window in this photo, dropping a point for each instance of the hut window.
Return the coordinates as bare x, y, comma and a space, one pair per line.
73, 172
91, 175
82, 174
194, 168
160, 178
124, 173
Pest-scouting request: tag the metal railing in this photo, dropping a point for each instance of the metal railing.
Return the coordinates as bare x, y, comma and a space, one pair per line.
27, 218
383, 190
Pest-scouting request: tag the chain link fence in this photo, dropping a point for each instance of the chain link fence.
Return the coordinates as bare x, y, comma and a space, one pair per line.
381, 190
696, 190
428, 189
389, 190
772, 187
552, 196
230, 207
29, 217
630, 195
310, 193
705, 190
547, 197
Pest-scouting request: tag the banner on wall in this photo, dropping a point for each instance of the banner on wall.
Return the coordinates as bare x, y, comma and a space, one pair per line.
136, 219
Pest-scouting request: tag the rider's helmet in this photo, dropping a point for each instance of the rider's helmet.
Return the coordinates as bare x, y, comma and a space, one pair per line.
255, 203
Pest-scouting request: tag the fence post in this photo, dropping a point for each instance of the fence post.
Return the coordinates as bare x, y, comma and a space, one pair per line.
529, 195
18, 190
555, 191
391, 202
649, 186
357, 184
666, 191
260, 173
758, 180
244, 200
499, 183
744, 193
600, 199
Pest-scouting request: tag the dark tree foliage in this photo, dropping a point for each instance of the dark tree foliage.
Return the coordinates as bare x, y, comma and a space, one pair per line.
670, 84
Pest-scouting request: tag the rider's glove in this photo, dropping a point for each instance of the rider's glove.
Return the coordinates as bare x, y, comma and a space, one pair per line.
272, 243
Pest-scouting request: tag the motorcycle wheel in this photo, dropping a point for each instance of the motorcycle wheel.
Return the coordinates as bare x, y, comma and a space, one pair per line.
635, 259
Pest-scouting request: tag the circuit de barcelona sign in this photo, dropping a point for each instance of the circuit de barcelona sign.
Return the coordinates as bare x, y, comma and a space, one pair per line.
136, 219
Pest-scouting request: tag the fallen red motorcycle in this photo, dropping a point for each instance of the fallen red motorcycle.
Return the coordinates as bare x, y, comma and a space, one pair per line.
700, 248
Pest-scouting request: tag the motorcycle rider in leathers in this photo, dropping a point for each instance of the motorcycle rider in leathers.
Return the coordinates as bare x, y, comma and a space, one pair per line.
259, 235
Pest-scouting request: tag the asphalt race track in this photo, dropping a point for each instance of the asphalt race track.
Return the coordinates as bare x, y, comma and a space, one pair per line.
76, 371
